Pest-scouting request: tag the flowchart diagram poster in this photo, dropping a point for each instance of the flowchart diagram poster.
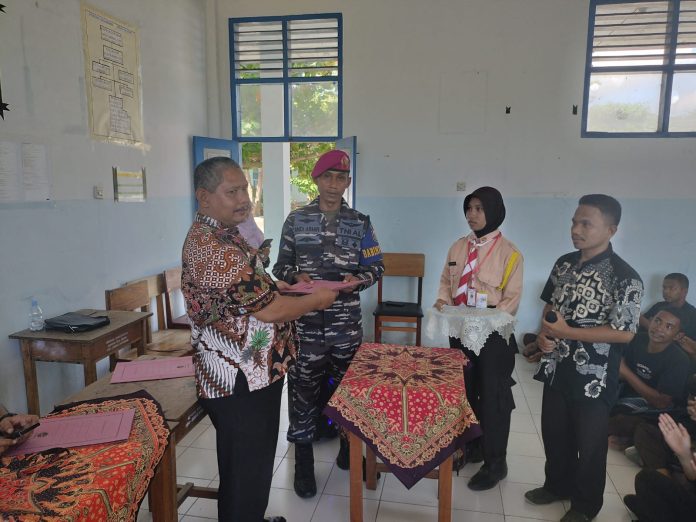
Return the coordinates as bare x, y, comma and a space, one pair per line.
112, 76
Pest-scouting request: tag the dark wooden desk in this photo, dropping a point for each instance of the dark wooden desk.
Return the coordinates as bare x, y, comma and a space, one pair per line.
179, 402
86, 348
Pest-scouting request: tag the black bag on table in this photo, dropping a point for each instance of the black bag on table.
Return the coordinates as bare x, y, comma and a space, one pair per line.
73, 322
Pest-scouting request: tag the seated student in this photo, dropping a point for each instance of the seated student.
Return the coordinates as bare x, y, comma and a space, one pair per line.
675, 287
651, 451
659, 497
654, 372
9, 423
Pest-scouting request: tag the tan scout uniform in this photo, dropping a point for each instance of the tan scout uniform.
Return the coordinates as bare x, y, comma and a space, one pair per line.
505, 258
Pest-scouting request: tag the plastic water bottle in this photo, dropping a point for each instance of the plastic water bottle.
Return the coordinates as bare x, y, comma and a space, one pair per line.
36, 321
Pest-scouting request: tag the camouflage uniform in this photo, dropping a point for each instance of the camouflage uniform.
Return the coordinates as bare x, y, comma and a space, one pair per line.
329, 338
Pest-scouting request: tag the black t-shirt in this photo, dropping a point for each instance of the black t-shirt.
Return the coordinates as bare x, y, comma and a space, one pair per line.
605, 290
689, 316
665, 372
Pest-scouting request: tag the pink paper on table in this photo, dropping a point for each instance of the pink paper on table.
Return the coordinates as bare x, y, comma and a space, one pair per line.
310, 288
77, 430
153, 369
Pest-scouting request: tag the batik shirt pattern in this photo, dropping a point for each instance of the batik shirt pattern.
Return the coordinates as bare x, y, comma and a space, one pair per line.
330, 250
224, 282
605, 290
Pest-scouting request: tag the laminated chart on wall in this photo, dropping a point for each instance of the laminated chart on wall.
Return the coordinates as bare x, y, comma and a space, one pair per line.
112, 76
129, 186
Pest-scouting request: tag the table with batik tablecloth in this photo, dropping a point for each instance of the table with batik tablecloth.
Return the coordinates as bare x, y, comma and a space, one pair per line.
100, 482
409, 405
472, 326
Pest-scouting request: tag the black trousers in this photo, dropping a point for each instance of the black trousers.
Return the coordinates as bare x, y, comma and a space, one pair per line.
661, 499
247, 425
488, 380
575, 441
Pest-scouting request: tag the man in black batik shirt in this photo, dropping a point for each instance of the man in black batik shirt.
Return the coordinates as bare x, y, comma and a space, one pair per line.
593, 297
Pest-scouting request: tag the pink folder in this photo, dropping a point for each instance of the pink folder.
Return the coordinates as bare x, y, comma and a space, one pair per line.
153, 369
77, 430
310, 288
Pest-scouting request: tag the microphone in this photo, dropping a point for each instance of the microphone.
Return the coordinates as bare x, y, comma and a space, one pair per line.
551, 317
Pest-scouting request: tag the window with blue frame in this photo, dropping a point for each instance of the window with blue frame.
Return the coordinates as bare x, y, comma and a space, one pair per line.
640, 74
286, 78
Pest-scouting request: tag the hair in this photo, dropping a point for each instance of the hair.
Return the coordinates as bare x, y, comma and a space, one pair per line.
681, 279
208, 174
608, 206
676, 312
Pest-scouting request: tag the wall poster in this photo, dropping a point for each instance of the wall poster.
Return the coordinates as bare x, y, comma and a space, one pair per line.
112, 76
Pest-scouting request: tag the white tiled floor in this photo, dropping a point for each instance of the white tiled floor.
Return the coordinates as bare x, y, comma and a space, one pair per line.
391, 501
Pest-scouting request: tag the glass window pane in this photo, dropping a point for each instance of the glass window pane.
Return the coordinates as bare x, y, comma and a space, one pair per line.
314, 109
624, 102
682, 115
261, 110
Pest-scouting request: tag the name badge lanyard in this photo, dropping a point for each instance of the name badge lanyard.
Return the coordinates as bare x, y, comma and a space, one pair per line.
478, 265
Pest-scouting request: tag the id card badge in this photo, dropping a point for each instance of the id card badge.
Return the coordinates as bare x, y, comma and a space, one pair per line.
471, 297
481, 300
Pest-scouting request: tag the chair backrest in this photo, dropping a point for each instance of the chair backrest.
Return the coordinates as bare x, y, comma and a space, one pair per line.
172, 279
403, 265
172, 282
129, 297
156, 291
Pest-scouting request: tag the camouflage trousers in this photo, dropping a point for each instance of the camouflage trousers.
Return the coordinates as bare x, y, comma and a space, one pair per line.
305, 379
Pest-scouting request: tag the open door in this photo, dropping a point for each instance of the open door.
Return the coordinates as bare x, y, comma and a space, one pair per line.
349, 146
205, 148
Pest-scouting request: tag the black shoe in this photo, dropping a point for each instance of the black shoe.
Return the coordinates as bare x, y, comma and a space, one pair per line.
343, 459
488, 476
631, 502
305, 484
542, 497
274, 519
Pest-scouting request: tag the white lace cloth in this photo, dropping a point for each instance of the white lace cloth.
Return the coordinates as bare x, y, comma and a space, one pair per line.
471, 326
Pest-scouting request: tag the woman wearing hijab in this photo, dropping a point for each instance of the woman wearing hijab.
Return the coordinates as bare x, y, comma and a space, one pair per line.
484, 262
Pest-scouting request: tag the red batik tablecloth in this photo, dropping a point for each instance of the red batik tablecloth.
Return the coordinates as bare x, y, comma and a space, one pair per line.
102, 482
408, 404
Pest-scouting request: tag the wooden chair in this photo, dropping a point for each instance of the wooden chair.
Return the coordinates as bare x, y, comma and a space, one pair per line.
137, 295
172, 283
407, 315
130, 298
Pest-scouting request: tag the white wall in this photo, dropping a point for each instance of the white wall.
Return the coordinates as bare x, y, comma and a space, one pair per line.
67, 252
532, 55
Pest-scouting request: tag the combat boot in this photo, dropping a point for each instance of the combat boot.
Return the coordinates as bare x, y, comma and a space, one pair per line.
343, 458
305, 484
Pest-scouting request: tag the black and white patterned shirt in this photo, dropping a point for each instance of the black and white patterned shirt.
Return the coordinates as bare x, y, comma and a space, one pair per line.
605, 290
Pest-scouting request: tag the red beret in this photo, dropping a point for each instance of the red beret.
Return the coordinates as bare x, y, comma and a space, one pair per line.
332, 160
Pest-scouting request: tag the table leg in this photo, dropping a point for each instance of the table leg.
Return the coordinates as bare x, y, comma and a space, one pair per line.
30, 382
162, 491
370, 468
145, 337
90, 369
356, 507
444, 491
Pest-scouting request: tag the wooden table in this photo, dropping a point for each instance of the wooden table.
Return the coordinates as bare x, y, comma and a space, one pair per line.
86, 348
408, 404
179, 403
